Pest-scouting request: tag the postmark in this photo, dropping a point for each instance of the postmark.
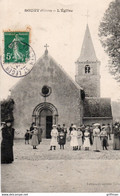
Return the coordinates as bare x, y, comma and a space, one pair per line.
19, 57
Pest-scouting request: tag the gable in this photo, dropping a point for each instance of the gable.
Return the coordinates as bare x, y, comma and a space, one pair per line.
46, 70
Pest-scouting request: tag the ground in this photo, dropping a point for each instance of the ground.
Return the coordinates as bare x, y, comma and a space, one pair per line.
42, 170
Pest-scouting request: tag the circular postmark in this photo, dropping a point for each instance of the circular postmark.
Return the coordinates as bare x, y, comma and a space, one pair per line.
20, 62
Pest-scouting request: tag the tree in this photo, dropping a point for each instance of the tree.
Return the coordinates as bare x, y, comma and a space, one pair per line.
109, 32
7, 107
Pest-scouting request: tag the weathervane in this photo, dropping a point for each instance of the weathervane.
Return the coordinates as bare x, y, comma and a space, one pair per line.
87, 15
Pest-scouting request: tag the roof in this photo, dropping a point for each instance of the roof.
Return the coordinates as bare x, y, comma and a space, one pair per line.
87, 50
46, 55
97, 107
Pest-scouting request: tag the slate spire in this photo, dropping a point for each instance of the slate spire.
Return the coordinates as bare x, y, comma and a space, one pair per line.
87, 50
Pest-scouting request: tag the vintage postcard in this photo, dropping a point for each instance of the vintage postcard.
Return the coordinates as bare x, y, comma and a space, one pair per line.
60, 96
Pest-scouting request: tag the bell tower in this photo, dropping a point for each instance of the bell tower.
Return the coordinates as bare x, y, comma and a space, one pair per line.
88, 67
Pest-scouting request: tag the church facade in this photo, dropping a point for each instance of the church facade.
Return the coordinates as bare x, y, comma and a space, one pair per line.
48, 95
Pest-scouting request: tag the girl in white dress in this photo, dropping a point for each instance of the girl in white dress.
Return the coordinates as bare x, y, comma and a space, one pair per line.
74, 139
54, 135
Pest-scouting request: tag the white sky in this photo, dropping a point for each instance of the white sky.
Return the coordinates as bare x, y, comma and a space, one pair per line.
63, 32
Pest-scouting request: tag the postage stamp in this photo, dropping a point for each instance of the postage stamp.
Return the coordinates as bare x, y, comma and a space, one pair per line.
19, 57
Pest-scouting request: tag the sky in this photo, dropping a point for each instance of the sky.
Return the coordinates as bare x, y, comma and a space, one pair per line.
62, 31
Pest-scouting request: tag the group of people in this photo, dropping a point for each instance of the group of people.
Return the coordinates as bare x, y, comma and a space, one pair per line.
35, 134
79, 137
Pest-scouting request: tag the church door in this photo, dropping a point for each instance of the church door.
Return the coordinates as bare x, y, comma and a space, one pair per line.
45, 115
46, 121
49, 120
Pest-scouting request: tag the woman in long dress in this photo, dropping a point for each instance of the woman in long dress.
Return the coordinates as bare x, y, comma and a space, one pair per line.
74, 138
96, 142
116, 142
79, 136
86, 139
7, 143
34, 141
54, 135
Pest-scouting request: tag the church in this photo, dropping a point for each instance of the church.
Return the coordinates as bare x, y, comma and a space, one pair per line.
48, 95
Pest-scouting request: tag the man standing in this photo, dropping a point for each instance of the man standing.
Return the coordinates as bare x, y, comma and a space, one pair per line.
65, 131
108, 129
40, 131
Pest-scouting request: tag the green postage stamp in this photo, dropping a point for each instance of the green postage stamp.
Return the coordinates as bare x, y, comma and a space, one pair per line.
19, 57
16, 48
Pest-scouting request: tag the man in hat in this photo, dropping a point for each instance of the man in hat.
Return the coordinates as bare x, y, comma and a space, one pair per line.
7, 142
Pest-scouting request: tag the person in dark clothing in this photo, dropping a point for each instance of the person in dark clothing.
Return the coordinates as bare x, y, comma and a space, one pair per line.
59, 128
40, 131
7, 143
71, 127
104, 138
82, 128
108, 129
31, 129
65, 131
27, 136
91, 135
62, 138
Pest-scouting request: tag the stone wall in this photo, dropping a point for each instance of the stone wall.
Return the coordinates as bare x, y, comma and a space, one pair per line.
90, 82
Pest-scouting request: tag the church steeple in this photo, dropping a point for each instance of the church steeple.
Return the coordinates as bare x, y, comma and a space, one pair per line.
87, 51
88, 67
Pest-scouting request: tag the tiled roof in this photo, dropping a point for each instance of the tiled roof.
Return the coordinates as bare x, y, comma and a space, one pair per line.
97, 107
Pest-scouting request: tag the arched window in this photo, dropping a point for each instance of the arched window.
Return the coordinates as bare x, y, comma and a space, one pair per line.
87, 69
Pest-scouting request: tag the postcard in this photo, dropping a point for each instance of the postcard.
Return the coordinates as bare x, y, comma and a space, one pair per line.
60, 96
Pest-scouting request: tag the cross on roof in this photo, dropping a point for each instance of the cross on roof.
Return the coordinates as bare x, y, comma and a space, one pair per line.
46, 46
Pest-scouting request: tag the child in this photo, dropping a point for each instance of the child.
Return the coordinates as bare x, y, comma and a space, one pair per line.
27, 136
54, 135
61, 138
87, 139
34, 141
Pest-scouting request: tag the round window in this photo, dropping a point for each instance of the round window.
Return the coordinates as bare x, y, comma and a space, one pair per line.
46, 91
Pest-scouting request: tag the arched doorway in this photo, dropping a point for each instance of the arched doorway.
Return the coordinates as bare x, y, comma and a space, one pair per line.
45, 114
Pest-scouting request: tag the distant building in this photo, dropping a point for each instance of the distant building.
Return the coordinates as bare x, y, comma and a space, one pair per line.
49, 96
